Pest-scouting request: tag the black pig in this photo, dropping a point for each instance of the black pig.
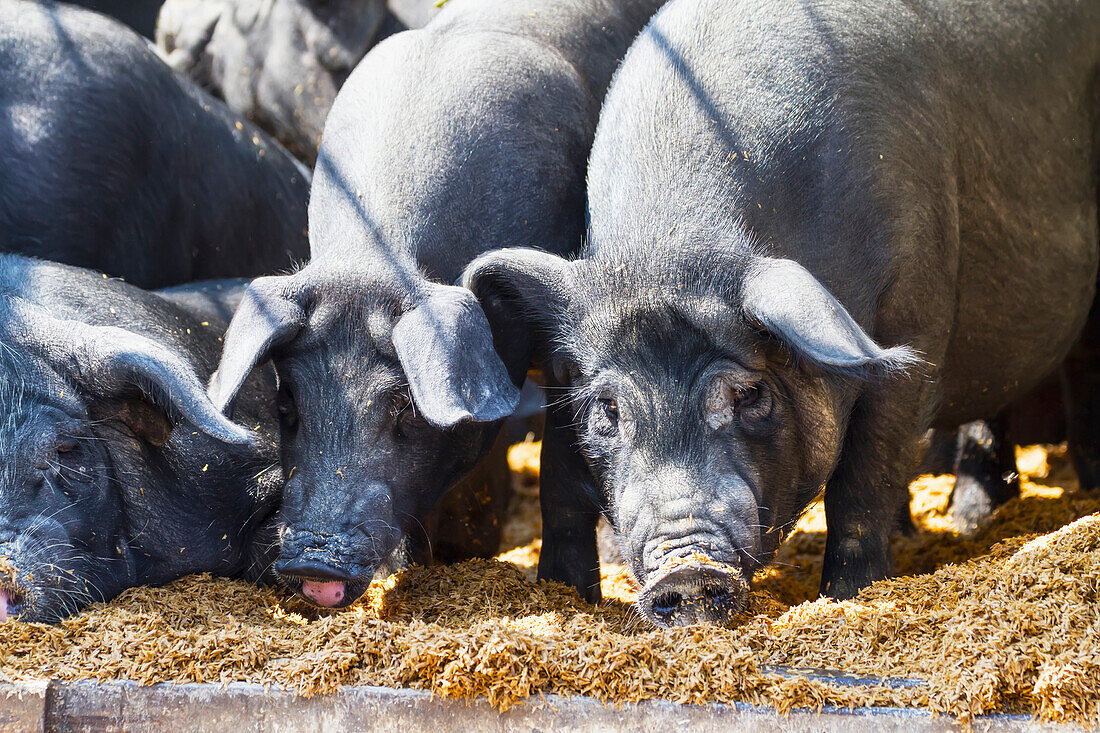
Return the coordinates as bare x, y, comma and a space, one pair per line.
140, 15
280, 62
816, 229
446, 142
100, 490
110, 161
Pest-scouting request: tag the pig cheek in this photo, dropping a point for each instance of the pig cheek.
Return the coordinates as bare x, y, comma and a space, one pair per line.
632, 518
614, 479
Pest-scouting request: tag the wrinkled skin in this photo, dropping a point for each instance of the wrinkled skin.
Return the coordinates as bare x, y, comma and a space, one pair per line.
114, 163
785, 280
281, 63
393, 382
100, 491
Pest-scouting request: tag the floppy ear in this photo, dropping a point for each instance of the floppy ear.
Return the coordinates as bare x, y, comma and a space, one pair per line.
783, 298
269, 315
114, 364
535, 283
524, 291
445, 346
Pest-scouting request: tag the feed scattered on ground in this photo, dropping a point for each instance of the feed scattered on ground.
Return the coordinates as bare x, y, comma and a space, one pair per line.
1008, 620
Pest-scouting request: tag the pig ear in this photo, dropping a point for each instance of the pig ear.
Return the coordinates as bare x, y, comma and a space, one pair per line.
269, 315
114, 364
445, 346
782, 297
534, 284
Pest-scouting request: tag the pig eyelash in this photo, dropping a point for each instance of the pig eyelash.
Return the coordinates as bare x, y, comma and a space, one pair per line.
587, 403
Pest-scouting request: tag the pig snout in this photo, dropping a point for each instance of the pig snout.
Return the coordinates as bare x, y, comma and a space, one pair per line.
321, 584
326, 593
694, 592
11, 604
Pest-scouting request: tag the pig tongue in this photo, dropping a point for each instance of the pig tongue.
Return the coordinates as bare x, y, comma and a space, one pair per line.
323, 593
5, 597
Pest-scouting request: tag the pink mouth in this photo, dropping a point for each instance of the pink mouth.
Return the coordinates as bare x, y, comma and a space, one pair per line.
324, 593
5, 600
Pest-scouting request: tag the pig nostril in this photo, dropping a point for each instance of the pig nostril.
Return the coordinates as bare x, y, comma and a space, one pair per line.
666, 604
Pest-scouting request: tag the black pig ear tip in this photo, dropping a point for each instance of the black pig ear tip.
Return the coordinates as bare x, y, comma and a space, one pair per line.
493, 409
218, 394
242, 436
498, 407
221, 428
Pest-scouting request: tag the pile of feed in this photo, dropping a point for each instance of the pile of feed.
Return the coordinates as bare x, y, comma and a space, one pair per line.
1006, 621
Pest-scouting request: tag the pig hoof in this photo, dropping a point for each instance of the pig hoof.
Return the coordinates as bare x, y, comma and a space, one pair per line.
974, 499
854, 562
580, 574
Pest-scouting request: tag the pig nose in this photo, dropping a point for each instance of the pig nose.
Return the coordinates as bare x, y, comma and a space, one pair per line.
328, 593
694, 594
322, 584
11, 604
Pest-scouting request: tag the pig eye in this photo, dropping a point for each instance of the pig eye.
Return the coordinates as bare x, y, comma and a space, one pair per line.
606, 413
752, 405
745, 397
729, 400
404, 414
67, 445
288, 411
401, 401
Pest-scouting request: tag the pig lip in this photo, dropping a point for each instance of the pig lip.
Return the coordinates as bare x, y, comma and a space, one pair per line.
324, 593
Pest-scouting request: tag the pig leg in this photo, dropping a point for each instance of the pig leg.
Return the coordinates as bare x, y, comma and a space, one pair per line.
985, 472
941, 453
469, 519
569, 516
868, 491
1081, 393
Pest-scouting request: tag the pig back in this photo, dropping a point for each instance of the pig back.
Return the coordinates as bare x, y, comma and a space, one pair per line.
468, 135
933, 164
